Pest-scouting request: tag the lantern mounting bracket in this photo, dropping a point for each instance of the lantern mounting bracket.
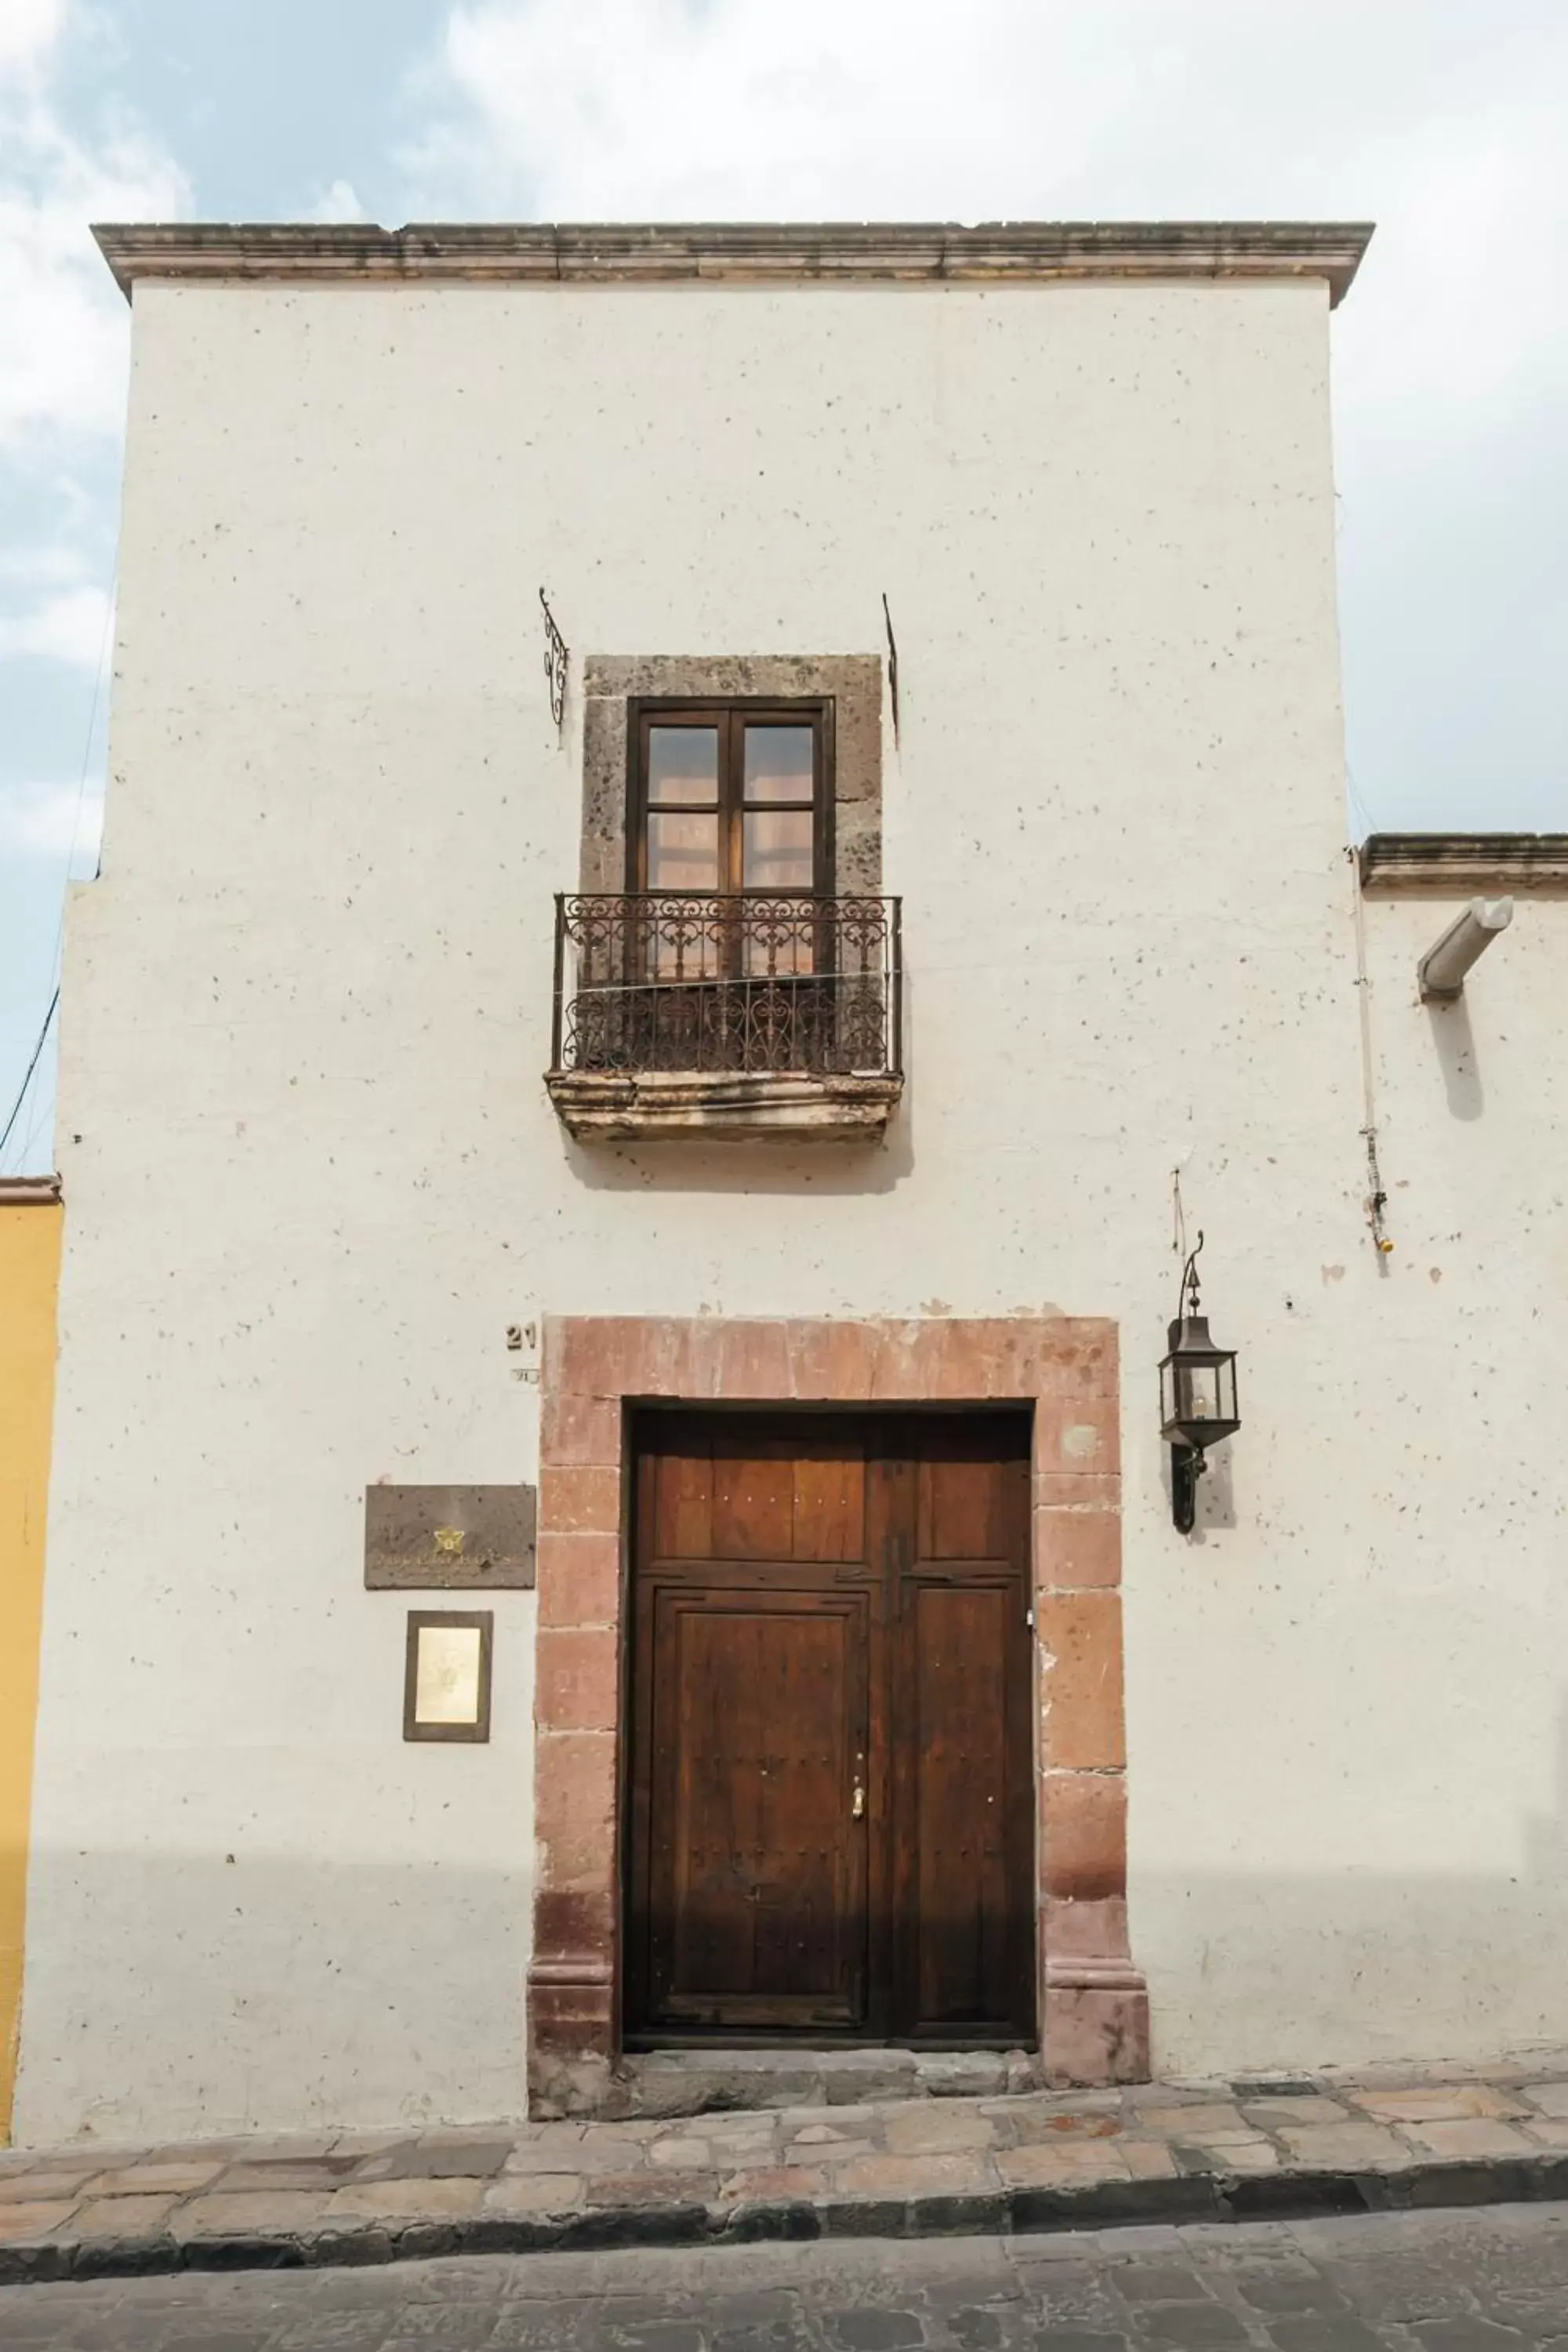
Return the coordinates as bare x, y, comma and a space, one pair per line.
1187, 1466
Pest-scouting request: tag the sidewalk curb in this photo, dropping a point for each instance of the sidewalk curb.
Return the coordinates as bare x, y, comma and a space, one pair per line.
1210, 2197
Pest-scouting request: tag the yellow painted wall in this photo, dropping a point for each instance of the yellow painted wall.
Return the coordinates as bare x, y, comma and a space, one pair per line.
29, 1272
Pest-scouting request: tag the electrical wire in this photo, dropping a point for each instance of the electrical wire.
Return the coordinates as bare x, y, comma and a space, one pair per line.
70, 861
1359, 806
1377, 1191
26, 1082
43, 1113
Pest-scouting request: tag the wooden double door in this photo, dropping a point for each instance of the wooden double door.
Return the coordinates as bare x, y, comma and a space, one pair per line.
830, 1806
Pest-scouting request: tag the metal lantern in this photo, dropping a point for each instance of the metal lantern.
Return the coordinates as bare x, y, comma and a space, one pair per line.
1197, 1397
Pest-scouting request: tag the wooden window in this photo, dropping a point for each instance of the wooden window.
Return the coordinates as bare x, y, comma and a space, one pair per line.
731, 796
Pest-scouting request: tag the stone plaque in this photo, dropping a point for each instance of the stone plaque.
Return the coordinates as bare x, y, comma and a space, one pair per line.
449, 1538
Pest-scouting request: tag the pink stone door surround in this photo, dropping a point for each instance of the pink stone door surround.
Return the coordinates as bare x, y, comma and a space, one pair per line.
1093, 2004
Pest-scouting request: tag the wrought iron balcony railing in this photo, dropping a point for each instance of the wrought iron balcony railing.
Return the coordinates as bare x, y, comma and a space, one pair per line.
667, 980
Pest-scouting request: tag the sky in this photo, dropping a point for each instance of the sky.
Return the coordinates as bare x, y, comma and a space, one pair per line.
1441, 120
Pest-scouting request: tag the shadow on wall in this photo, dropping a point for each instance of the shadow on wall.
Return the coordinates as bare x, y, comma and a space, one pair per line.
1299, 1972
1456, 1044
1214, 1494
739, 1169
202, 1996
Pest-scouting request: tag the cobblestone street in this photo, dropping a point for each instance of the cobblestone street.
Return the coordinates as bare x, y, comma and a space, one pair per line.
1484, 2281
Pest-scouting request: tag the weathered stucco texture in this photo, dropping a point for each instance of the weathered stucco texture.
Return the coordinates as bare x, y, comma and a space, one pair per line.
315, 1174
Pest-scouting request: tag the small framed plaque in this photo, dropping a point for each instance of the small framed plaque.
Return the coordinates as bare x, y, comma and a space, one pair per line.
446, 1675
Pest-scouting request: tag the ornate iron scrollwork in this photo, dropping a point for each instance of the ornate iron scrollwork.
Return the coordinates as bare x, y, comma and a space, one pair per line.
892, 663
672, 981
556, 660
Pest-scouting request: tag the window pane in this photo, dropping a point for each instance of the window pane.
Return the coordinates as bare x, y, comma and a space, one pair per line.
777, 849
683, 763
778, 763
683, 850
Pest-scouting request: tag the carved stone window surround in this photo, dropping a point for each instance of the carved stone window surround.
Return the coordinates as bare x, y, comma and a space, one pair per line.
853, 682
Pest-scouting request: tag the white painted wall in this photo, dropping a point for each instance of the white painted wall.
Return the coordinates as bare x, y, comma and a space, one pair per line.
312, 1174
1368, 1673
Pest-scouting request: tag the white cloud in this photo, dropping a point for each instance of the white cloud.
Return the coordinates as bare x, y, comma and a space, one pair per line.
905, 108
28, 32
337, 203
69, 628
63, 347
1442, 123
49, 566
53, 822
64, 327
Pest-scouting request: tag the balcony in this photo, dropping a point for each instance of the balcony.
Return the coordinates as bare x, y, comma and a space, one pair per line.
738, 1016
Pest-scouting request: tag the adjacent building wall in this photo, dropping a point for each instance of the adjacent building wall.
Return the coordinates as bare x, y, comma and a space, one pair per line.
29, 1270
315, 1174
1375, 1701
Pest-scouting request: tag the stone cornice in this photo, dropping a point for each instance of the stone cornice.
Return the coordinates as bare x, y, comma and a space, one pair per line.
29, 1192
1000, 253
1460, 863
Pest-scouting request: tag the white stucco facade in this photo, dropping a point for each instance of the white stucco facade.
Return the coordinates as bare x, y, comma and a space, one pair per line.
312, 1174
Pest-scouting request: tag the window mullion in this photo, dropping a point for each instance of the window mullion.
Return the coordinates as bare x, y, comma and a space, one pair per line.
731, 771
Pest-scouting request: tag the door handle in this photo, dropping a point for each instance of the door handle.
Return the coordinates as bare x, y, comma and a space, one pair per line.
857, 1809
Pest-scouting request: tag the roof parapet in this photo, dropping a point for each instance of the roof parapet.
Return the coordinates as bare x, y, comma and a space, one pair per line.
29, 1192
1460, 865
744, 253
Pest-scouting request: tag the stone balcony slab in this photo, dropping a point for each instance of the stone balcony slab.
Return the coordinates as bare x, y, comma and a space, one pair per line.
665, 1106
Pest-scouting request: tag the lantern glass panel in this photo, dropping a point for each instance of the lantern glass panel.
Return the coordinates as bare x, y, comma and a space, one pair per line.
1197, 1392
1197, 1389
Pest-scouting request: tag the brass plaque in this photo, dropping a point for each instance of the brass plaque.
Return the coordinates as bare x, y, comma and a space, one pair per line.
449, 1538
446, 1675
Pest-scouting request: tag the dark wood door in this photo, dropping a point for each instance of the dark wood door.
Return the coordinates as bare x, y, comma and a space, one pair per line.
830, 1820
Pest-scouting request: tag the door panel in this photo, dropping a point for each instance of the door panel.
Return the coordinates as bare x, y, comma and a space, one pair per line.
825, 1605
966, 1841
830, 1504
753, 1505
758, 1876
676, 1521
742, 1495
962, 1920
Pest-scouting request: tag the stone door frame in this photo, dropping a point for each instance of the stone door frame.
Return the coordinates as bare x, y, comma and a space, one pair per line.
1092, 2002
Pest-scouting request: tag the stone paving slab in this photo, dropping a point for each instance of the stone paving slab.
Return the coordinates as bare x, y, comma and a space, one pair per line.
926, 2167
